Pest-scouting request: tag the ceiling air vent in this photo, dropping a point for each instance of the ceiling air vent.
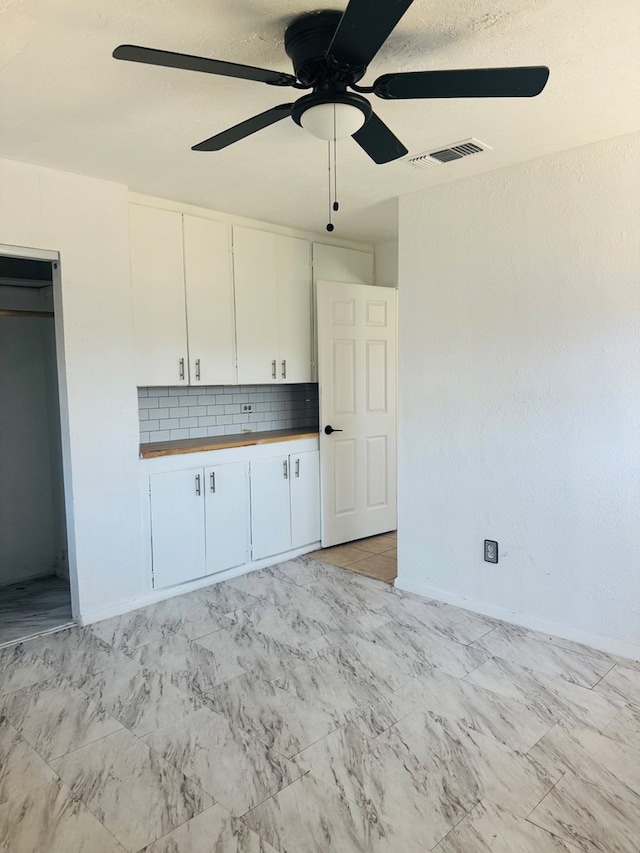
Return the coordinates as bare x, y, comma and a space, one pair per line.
448, 154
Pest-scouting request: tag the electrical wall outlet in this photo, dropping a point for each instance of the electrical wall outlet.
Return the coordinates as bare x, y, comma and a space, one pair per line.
490, 551
246, 408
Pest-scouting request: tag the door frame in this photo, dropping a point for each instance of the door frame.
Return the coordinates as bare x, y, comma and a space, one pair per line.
53, 257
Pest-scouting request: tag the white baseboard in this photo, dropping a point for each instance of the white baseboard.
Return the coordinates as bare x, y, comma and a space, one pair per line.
525, 620
156, 595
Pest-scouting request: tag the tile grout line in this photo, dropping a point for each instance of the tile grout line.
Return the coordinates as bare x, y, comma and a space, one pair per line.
563, 773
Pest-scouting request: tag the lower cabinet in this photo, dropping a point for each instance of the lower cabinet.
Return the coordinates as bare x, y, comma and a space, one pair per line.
199, 522
285, 503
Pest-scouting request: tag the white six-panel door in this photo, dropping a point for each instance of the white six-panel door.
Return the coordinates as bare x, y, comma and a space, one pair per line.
357, 376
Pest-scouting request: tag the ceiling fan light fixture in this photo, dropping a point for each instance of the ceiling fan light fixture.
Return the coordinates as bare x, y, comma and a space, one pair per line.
323, 119
324, 114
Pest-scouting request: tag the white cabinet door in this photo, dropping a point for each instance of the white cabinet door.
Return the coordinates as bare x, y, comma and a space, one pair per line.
177, 527
209, 297
294, 309
157, 277
255, 274
270, 513
227, 516
305, 498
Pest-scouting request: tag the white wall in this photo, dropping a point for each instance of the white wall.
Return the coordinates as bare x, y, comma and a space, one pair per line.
520, 393
86, 220
386, 255
28, 536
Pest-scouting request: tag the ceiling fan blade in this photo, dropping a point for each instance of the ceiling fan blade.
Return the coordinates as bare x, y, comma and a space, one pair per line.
363, 30
471, 83
375, 138
245, 128
151, 56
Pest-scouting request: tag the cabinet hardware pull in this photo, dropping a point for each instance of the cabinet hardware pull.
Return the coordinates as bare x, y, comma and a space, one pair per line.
284, 368
213, 482
197, 370
182, 368
273, 369
286, 469
198, 488
297, 467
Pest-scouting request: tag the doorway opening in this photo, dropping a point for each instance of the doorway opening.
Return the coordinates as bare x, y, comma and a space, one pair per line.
376, 557
35, 593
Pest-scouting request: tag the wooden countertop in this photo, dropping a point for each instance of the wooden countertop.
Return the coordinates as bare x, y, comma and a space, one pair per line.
222, 442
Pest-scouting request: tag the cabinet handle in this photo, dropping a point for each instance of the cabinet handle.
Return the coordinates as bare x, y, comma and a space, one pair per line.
213, 482
182, 368
284, 368
297, 467
198, 486
273, 369
197, 370
285, 466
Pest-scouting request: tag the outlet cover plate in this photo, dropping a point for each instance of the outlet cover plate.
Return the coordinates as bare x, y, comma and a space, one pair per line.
490, 551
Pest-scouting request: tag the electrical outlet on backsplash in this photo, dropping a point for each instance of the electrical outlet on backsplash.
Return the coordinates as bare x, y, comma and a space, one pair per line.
167, 414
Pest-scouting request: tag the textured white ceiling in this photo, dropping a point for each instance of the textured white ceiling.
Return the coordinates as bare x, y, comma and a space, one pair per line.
65, 103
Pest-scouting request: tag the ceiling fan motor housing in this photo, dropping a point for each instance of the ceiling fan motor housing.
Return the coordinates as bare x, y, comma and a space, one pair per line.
307, 40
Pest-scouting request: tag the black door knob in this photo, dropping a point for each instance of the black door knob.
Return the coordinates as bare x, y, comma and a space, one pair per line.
329, 429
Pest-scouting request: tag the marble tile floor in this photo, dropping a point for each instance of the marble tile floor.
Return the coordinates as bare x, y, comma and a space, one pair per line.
33, 607
306, 708
375, 557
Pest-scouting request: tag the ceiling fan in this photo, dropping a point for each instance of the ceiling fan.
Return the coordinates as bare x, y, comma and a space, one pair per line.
330, 51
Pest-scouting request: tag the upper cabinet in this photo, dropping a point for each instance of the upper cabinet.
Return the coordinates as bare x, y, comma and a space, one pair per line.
205, 315
272, 277
157, 275
182, 299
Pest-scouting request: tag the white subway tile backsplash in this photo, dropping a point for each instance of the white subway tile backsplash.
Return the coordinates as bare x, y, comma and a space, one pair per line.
200, 411
178, 433
147, 403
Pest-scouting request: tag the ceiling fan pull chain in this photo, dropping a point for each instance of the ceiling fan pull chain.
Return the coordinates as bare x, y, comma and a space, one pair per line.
335, 162
329, 224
